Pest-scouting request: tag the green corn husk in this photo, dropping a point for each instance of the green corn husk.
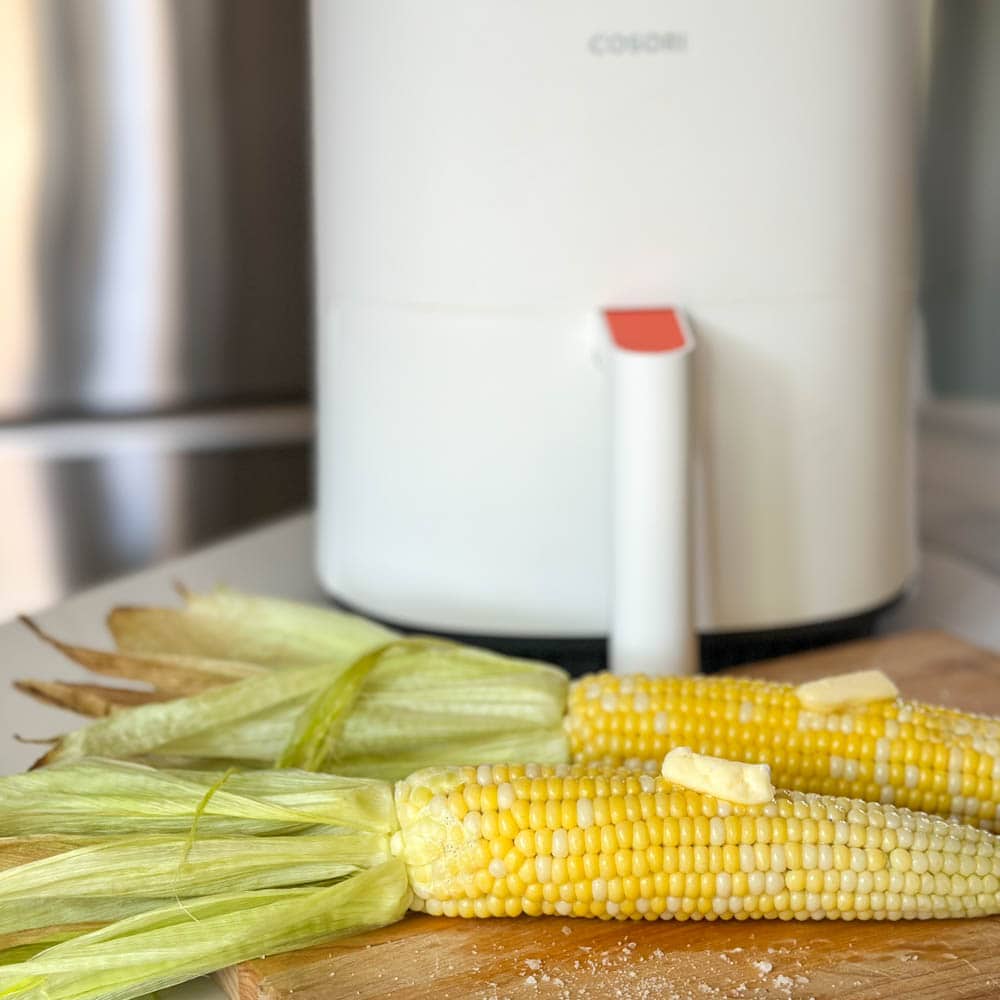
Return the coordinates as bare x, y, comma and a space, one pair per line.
318, 726
325, 692
107, 798
169, 945
113, 880
180, 905
138, 731
225, 624
110, 880
422, 702
23, 945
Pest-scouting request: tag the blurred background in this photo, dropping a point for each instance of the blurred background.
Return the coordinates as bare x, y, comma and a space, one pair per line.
155, 295
155, 302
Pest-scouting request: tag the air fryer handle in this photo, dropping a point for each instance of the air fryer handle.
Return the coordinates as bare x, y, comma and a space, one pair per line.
651, 621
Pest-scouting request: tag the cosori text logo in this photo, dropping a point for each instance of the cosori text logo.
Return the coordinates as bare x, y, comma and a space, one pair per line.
622, 43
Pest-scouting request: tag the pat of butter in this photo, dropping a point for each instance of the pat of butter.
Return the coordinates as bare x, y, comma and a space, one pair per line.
832, 693
747, 784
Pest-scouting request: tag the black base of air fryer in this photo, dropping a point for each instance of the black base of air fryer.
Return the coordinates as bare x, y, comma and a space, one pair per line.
718, 649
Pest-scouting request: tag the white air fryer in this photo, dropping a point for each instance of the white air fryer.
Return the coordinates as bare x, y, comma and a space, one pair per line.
526, 212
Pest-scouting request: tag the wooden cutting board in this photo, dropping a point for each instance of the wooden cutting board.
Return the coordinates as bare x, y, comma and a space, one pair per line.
559, 958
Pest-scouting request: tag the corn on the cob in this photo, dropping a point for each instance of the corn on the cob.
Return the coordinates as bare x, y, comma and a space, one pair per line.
488, 841
923, 757
586, 842
435, 704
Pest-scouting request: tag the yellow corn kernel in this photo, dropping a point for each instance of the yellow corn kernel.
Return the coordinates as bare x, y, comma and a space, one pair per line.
920, 756
798, 857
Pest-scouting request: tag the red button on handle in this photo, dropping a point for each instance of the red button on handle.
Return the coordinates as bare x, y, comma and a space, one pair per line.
648, 330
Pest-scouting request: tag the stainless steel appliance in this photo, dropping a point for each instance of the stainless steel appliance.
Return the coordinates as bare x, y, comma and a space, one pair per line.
154, 280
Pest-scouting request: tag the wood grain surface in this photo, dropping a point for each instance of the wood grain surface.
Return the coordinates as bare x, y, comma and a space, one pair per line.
559, 958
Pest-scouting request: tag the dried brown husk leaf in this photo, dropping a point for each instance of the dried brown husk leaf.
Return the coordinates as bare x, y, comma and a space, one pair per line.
170, 673
92, 700
16, 851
